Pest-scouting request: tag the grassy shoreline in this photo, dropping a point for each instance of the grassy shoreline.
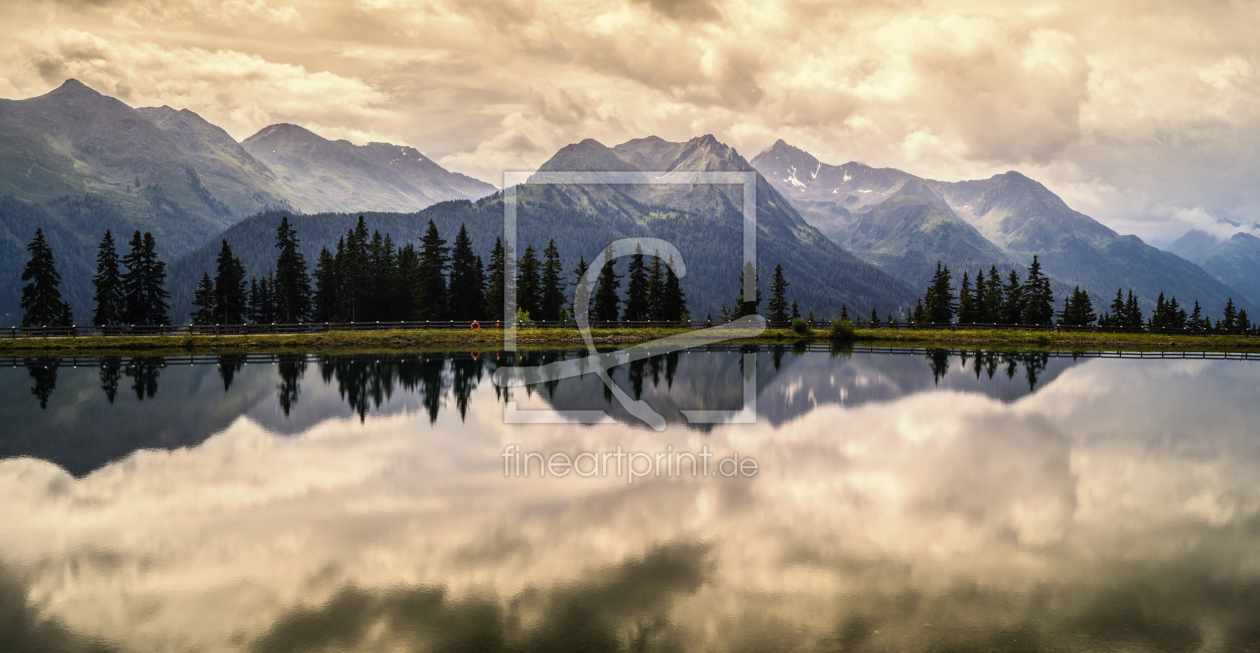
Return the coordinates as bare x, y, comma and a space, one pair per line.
336, 341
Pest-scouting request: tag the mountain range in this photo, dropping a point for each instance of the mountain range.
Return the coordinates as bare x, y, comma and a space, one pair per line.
705, 223
1234, 261
76, 162
905, 224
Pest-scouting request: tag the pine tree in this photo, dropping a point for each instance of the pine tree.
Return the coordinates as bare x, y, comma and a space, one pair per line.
293, 282
354, 276
579, 272
918, 316
1013, 300
326, 287
262, 303
1244, 324
796, 312
844, 311
406, 276
938, 301
656, 288
674, 300
41, 300
966, 303
468, 297
1230, 323
497, 280
1196, 322
382, 266
778, 296
1038, 298
995, 297
144, 292
607, 295
874, 316
229, 288
432, 301
552, 303
529, 283
108, 284
1132, 312
203, 299
1078, 309
743, 308
637, 305
979, 310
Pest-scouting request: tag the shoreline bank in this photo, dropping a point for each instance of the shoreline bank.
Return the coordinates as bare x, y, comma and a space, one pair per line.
544, 338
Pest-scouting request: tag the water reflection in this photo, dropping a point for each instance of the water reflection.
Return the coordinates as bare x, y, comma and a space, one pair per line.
790, 383
920, 501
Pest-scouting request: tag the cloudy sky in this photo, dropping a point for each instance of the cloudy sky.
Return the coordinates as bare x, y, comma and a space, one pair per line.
1142, 114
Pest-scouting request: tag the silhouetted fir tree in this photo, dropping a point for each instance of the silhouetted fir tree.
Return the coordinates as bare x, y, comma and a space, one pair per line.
656, 288
1132, 312
355, 295
1012, 300
674, 300
1244, 324
41, 300
203, 299
468, 297
979, 311
262, 303
1115, 316
844, 311
994, 297
144, 283
637, 306
1196, 323
778, 306
495, 279
324, 302
552, 304
1230, 322
1038, 298
230, 296
938, 301
293, 281
381, 257
402, 284
966, 303
528, 283
579, 271
796, 311
108, 284
743, 307
918, 315
1078, 309
607, 295
874, 316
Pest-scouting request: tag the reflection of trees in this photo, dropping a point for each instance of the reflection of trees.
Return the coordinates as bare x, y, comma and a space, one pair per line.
366, 383
110, 372
144, 372
43, 371
291, 368
1033, 362
229, 365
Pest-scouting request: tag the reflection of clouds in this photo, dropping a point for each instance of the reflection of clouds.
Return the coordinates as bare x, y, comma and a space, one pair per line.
1117, 505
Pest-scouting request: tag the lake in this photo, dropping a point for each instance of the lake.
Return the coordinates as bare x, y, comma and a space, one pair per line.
916, 500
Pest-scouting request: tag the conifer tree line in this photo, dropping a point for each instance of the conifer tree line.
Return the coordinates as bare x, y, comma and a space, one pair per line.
136, 296
990, 300
369, 278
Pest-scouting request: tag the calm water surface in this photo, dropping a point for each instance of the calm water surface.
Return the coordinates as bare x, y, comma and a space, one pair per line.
929, 501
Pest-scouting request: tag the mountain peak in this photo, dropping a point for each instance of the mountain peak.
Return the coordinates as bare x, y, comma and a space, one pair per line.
74, 86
